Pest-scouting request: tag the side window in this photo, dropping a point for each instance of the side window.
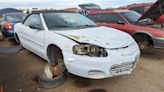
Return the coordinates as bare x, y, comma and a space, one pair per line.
138, 9
111, 18
33, 19
106, 18
94, 17
146, 8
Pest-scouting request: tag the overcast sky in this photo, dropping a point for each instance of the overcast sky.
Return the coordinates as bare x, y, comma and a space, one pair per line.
59, 4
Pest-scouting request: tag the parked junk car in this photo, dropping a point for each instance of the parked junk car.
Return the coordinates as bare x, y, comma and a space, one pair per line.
140, 8
156, 12
150, 10
145, 32
8, 10
90, 6
8, 21
71, 39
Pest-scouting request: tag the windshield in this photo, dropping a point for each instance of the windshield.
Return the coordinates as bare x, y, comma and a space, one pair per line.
146, 8
67, 20
13, 18
131, 16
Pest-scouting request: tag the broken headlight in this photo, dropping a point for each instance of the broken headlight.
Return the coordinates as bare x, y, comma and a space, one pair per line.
90, 50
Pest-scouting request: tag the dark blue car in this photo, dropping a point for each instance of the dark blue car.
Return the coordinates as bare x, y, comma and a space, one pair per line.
8, 21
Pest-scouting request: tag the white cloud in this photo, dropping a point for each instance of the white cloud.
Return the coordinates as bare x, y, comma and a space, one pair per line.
66, 3
12, 1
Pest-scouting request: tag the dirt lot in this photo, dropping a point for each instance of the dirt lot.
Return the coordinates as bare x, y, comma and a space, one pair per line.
18, 73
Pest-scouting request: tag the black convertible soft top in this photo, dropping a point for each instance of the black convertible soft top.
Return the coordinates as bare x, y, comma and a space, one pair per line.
53, 11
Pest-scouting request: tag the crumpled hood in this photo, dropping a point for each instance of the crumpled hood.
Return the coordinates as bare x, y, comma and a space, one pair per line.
155, 11
101, 36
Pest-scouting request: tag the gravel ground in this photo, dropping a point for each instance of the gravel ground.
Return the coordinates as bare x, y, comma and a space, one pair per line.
18, 74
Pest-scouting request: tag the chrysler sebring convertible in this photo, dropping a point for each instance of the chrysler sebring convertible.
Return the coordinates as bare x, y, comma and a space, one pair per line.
75, 42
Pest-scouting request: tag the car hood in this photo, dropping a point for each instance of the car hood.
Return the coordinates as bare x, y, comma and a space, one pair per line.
155, 11
101, 36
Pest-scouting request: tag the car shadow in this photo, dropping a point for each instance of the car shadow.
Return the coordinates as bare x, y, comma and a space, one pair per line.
80, 82
152, 53
10, 50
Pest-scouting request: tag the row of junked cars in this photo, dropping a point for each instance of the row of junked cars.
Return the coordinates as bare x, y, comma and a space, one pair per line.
7, 22
71, 42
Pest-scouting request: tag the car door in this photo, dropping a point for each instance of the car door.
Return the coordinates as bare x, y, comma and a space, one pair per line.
34, 34
113, 20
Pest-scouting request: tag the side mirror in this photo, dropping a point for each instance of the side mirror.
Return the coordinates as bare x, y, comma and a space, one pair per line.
120, 22
36, 26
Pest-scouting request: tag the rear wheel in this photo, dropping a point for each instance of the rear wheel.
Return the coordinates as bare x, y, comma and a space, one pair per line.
17, 40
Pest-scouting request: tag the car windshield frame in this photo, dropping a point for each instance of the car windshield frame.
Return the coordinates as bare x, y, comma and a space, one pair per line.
67, 20
131, 16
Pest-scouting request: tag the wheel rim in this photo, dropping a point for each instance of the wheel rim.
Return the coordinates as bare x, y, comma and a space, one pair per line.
143, 45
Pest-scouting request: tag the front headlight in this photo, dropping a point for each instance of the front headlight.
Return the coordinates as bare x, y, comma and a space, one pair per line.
90, 50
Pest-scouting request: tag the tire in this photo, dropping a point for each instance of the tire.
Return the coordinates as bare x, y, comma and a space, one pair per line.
45, 82
143, 41
17, 40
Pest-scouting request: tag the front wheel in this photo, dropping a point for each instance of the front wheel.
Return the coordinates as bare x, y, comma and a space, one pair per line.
143, 41
56, 60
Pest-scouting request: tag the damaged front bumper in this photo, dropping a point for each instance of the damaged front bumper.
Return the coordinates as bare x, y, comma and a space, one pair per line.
158, 42
118, 62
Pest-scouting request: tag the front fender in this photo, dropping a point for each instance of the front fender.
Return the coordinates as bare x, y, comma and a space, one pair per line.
64, 43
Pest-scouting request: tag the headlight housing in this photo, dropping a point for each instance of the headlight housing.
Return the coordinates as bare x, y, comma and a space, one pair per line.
90, 50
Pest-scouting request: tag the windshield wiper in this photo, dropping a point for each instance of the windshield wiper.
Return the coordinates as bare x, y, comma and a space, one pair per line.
59, 26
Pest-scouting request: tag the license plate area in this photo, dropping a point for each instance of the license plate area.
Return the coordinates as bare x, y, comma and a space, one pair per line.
117, 69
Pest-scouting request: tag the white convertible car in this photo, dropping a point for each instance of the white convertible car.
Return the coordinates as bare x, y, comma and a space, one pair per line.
72, 39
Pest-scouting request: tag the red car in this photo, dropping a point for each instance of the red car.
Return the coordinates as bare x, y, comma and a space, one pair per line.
145, 32
140, 8
156, 12
153, 11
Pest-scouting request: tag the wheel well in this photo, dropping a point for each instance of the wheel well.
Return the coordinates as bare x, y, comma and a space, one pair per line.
57, 51
140, 36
